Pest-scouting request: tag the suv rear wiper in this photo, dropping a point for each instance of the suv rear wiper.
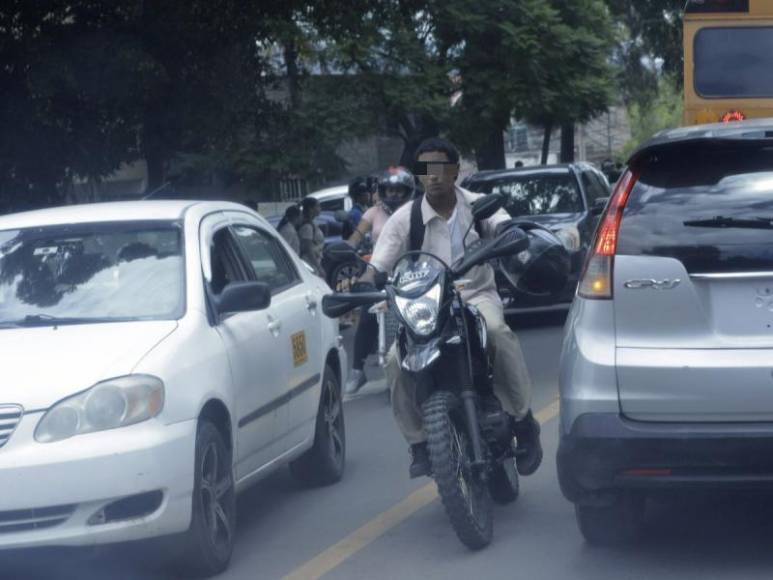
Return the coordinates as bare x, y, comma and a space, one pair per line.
761, 223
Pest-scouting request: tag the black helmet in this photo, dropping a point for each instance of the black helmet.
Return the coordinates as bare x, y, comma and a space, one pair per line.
398, 177
358, 186
543, 268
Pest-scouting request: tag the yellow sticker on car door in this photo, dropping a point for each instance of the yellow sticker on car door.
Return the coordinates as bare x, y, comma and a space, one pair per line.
300, 354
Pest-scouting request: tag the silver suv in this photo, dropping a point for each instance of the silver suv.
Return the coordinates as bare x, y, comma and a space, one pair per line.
667, 364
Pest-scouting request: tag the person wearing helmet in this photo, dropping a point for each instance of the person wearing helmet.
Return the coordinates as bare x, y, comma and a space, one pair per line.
395, 187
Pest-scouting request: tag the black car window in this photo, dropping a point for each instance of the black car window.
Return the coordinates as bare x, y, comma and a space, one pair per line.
534, 194
593, 187
709, 206
269, 261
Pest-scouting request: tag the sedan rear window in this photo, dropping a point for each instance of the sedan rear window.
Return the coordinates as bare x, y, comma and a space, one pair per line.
533, 194
709, 206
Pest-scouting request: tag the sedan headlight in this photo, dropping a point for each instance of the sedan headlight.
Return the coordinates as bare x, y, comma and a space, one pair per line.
108, 405
421, 314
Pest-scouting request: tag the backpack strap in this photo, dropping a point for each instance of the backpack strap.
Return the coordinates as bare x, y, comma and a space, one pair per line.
416, 240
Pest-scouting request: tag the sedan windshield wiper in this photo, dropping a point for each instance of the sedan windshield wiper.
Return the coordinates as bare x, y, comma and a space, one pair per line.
49, 320
760, 223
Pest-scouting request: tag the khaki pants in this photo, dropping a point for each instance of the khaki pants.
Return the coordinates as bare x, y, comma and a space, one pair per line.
511, 377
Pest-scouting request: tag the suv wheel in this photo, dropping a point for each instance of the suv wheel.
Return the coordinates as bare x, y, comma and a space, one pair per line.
611, 524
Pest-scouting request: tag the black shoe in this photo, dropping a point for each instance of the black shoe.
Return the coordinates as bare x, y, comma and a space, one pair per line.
419, 460
529, 451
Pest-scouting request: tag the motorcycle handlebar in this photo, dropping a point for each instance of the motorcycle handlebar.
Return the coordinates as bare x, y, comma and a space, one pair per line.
335, 305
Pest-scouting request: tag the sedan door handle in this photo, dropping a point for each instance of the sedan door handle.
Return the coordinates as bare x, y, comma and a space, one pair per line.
274, 326
311, 303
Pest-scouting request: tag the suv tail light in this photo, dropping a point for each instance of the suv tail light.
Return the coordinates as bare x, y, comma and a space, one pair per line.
596, 279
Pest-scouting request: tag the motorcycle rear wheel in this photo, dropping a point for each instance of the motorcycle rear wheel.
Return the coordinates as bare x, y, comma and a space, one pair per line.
465, 495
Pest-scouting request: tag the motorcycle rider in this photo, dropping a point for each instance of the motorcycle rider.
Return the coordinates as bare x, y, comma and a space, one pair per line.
395, 187
445, 214
360, 194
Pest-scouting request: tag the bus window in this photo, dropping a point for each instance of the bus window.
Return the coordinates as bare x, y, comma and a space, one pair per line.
734, 62
728, 56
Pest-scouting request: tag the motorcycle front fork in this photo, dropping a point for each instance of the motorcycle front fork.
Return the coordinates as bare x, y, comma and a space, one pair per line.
382, 354
469, 404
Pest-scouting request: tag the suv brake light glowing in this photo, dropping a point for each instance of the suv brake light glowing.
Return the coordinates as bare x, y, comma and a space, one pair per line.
596, 279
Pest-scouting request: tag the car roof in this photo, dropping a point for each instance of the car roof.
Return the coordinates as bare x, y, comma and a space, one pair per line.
737, 131
330, 192
165, 210
558, 169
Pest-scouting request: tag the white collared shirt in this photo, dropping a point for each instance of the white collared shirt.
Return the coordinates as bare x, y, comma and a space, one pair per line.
439, 240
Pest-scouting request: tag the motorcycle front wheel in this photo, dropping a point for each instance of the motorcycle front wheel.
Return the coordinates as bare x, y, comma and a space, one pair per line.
465, 495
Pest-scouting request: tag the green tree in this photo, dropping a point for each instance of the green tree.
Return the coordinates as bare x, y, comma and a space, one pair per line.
663, 112
546, 62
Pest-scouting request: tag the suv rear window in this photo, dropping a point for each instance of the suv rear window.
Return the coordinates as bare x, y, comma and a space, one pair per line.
709, 206
533, 194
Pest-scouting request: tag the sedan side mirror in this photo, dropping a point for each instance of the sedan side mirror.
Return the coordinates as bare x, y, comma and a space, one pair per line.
243, 297
599, 204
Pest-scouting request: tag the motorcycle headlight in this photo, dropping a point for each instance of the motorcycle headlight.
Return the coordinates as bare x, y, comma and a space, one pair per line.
421, 313
108, 405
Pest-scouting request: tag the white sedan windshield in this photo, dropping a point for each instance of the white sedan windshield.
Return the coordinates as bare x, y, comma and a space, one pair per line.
91, 272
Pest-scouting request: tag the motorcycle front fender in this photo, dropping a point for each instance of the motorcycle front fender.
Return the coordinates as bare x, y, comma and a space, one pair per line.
420, 357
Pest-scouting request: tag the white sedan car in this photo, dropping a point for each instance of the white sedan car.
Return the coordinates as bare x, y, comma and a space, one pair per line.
157, 358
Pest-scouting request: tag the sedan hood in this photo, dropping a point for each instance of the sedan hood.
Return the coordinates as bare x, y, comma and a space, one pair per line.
42, 365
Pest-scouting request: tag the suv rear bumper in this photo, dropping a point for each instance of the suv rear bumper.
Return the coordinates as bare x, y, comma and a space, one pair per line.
606, 452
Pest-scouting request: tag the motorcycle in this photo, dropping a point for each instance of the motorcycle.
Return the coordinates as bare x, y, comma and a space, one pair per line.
441, 343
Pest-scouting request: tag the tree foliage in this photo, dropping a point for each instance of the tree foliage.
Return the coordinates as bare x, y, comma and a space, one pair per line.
252, 91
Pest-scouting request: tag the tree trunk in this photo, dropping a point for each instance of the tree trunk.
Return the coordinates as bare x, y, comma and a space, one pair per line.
567, 143
291, 61
491, 155
546, 143
155, 164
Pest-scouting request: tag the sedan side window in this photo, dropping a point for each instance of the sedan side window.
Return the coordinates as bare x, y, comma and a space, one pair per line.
268, 259
593, 189
225, 263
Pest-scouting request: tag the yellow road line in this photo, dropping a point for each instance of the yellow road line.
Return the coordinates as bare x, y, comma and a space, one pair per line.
337, 554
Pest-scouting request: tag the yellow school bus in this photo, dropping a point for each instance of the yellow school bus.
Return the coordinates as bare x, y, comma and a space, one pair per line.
728, 60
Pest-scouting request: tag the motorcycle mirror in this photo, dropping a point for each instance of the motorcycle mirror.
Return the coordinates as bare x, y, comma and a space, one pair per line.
486, 206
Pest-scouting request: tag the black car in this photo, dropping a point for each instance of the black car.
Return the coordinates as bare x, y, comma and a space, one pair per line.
568, 199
